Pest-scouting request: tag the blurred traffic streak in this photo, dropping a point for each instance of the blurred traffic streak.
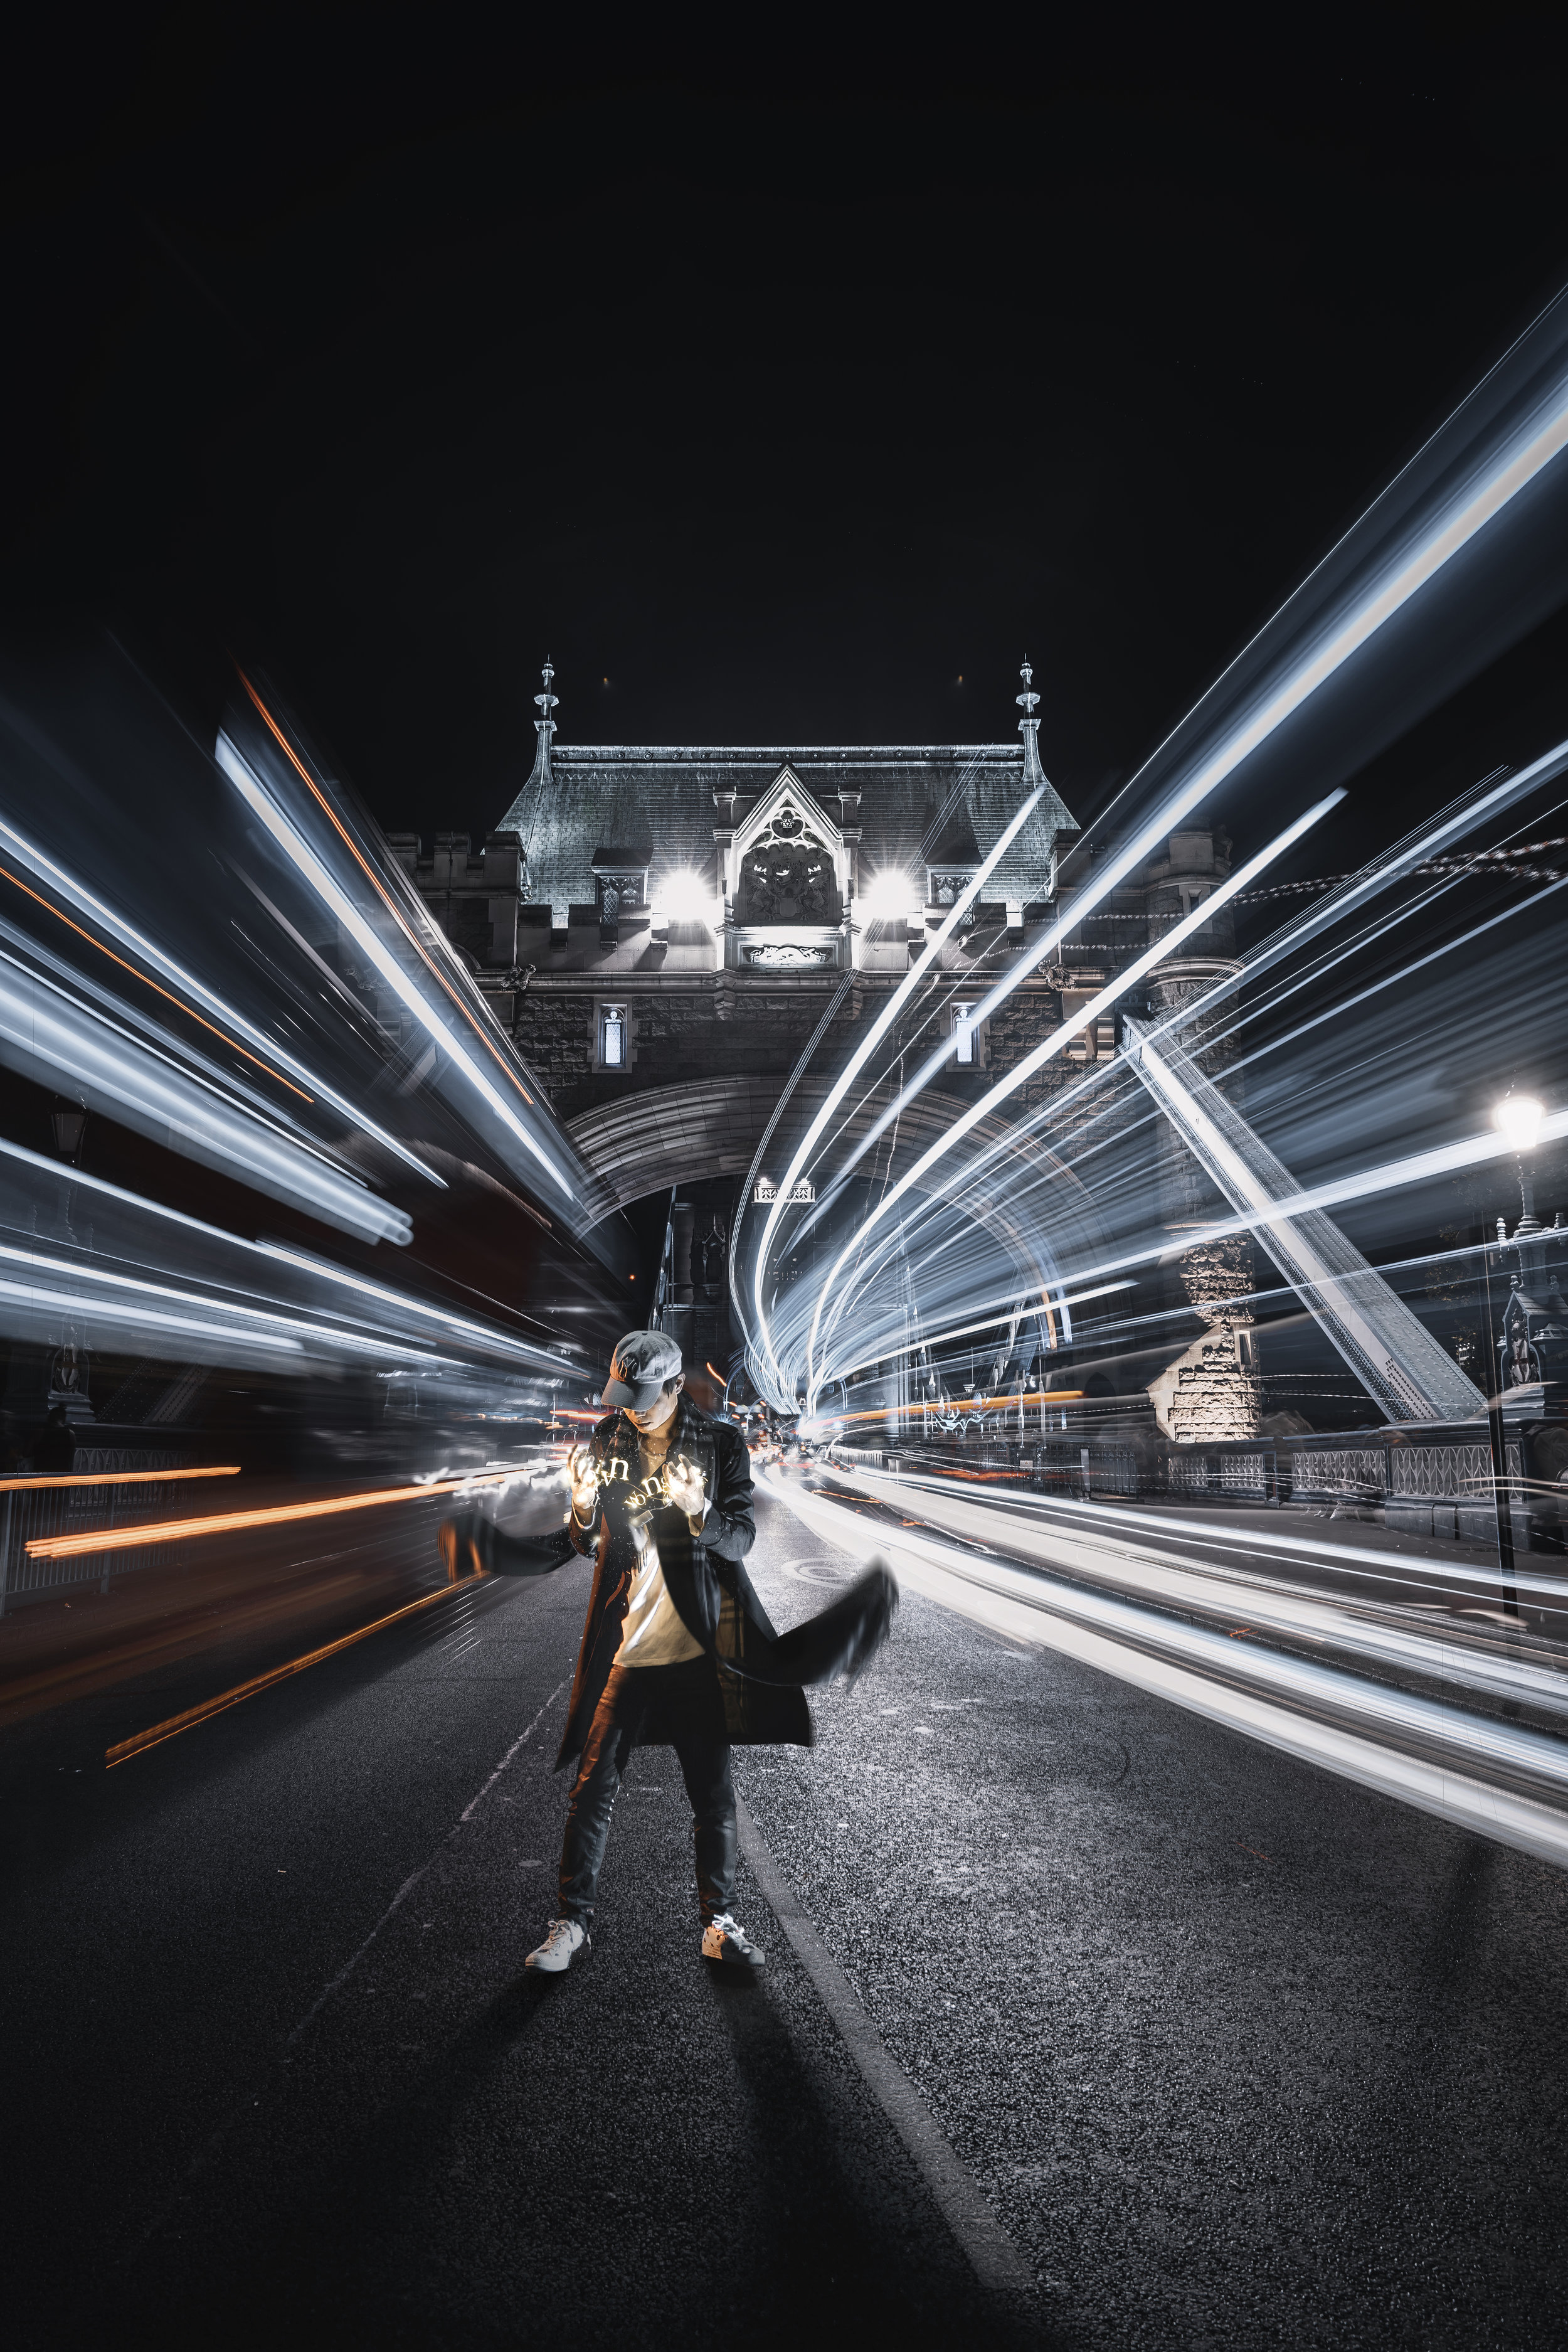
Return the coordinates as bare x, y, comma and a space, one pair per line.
1061, 1308
1434, 1680
221, 1523
242, 1062
1049, 1168
228, 1597
341, 857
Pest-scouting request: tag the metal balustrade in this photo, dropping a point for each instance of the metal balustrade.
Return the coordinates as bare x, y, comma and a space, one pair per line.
126, 1489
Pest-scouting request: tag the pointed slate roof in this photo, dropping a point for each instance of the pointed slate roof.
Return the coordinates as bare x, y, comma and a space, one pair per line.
581, 796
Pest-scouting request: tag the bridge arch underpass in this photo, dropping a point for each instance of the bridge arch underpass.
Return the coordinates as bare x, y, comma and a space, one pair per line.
655, 1140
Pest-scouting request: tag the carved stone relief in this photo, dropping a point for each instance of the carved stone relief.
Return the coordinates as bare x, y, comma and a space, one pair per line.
787, 874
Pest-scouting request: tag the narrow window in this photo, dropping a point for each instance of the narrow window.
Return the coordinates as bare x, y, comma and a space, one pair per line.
612, 1054
964, 1030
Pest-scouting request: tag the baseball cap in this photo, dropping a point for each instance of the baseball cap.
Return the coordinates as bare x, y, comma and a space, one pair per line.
643, 1362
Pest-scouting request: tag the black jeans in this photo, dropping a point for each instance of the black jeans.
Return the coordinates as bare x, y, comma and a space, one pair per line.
652, 1698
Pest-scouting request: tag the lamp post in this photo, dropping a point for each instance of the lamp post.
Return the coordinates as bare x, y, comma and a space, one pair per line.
1519, 1118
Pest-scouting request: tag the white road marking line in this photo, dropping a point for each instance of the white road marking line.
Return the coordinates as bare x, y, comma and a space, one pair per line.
406, 1889
992, 2255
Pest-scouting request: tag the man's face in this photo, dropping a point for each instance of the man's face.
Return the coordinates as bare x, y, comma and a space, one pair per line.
658, 1413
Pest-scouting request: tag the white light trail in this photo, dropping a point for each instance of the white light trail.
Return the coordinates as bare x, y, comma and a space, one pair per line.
1390, 1176
45, 1034
1142, 1557
85, 902
1396, 1175
1026, 1310
1515, 468
1462, 1766
402, 1306
1500, 476
858, 1059
1323, 913
402, 1303
1200, 915
259, 800
1386, 1346
1416, 850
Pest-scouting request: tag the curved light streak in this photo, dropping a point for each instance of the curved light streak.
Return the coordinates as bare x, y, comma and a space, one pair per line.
42, 1029
1499, 478
858, 1059
1200, 915
253, 790
387, 1341
157, 987
87, 903
1414, 849
1026, 1311
465, 1012
1440, 1757
1521, 461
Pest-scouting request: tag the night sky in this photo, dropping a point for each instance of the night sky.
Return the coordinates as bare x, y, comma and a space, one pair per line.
771, 408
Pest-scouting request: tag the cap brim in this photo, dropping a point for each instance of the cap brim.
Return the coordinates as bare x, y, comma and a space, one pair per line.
620, 1395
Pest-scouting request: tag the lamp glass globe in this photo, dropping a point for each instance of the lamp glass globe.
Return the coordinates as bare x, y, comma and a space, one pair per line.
1519, 1117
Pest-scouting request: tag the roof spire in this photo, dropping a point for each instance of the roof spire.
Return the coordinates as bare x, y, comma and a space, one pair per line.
540, 782
544, 727
1029, 726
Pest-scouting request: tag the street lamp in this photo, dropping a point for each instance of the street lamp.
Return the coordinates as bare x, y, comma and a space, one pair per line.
1519, 1117
68, 1122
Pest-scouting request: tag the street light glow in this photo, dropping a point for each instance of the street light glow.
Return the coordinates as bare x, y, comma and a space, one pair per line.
1519, 1117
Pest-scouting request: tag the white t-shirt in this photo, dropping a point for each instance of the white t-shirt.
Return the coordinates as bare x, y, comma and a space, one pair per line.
652, 1634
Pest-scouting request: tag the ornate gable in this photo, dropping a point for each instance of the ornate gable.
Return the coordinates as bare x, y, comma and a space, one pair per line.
788, 863
786, 878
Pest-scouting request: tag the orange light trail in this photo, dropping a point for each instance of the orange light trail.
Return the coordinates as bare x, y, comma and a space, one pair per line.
170, 1728
108, 1479
225, 1522
375, 882
168, 997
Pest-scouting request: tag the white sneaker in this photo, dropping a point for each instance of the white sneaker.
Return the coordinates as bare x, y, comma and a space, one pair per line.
566, 1938
725, 1940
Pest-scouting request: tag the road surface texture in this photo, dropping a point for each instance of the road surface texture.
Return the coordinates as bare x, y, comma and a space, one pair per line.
1235, 2054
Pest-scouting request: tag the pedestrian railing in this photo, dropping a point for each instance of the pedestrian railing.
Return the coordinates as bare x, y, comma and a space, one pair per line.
40, 1508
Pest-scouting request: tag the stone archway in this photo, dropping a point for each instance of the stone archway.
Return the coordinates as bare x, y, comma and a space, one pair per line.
652, 1140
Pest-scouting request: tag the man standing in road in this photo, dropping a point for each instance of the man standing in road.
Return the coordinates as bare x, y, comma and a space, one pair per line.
677, 1649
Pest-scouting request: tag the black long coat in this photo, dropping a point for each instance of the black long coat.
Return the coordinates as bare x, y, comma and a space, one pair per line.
713, 1596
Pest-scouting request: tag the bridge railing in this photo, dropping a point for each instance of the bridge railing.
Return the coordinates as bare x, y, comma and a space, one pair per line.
123, 1489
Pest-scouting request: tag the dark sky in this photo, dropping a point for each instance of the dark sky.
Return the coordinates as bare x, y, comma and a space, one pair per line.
768, 406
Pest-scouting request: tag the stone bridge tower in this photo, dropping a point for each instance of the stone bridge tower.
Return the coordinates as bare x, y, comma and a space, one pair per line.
664, 929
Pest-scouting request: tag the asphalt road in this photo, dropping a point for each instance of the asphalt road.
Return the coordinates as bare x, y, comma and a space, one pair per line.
1238, 2053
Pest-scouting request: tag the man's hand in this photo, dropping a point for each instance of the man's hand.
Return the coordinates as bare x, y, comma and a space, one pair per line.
584, 1484
685, 1484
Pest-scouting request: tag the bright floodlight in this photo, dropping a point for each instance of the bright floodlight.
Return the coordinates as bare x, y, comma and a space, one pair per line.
887, 896
686, 897
1519, 1117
